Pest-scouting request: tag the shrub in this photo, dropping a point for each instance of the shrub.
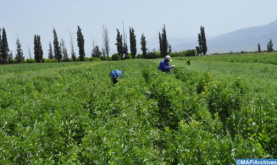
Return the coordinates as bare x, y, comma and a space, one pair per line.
128, 56
105, 58
152, 55
115, 57
139, 56
94, 59
189, 52
31, 61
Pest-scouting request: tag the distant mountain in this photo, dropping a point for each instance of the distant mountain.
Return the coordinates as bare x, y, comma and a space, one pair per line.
245, 39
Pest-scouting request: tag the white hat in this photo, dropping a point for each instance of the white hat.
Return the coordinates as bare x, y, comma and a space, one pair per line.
168, 58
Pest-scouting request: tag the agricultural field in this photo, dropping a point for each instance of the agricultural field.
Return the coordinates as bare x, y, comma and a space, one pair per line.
213, 111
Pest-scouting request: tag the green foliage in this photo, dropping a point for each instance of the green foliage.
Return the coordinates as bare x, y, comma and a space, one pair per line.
30, 60
139, 56
105, 58
70, 113
115, 57
128, 56
153, 55
183, 53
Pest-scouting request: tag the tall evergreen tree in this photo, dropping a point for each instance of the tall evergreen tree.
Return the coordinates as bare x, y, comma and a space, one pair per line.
50, 51
57, 48
133, 42
163, 42
259, 48
38, 49
119, 44
19, 52
4, 47
81, 44
96, 52
143, 46
202, 43
270, 46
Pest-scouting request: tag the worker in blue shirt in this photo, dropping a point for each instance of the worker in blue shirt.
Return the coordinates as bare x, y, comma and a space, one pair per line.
164, 64
114, 75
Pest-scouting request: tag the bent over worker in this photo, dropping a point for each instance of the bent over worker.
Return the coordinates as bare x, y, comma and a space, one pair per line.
164, 64
114, 75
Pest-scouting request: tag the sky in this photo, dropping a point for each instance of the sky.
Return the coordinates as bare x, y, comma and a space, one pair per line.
23, 19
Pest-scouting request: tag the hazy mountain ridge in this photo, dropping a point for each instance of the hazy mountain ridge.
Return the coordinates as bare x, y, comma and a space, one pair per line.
245, 39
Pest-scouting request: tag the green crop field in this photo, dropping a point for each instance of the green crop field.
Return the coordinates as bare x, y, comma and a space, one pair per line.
216, 110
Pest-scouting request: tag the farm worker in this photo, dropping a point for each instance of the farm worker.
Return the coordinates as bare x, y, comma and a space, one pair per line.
164, 64
115, 74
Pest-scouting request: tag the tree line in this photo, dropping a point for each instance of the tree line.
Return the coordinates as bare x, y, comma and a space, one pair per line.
269, 47
58, 52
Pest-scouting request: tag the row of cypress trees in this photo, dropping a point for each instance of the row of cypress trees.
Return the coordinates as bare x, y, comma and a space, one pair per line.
122, 48
6, 56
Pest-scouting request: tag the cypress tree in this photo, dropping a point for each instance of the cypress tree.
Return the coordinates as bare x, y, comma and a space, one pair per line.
143, 46
200, 44
96, 52
259, 48
19, 52
204, 42
50, 51
4, 47
163, 42
57, 48
119, 44
81, 44
38, 49
133, 42
270, 46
